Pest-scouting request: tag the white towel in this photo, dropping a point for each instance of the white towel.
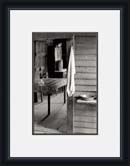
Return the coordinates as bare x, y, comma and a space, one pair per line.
71, 73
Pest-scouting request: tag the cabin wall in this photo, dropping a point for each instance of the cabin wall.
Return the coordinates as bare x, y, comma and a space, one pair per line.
86, 64
40, 53
85, 115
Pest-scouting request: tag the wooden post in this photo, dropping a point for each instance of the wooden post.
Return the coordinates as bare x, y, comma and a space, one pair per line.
70, 114
64, 94
70, 104
49, 102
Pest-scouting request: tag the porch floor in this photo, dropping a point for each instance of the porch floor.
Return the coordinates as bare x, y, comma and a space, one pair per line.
56, 122
85, 117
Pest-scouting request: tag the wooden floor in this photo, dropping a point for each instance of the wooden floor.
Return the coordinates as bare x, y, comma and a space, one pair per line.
85, 117
56, 122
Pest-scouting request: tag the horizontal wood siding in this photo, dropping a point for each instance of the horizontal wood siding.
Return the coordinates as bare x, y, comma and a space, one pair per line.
83, 69
86, 64
79, 130
85, 76
85, 115
77, 93
85, 107
85, 118
85, 125
89, 112
86, 88
85, 57
85, 82
86, 52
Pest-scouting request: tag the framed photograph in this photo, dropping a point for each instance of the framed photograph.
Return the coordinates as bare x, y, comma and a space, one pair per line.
65, 88
60, 107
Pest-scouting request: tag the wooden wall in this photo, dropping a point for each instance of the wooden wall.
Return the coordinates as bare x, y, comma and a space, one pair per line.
85, 115
40, 53
86, 68
58, 35
85, 118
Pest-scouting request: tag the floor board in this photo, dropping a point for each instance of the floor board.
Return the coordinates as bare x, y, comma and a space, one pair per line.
84, 119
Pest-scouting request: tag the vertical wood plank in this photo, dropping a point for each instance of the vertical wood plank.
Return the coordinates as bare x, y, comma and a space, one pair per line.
70, 113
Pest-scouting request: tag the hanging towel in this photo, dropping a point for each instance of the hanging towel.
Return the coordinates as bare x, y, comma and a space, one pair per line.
71, 73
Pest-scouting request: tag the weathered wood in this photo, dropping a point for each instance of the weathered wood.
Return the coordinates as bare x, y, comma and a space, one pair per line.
83, 54
88, 112
55, 82
85, 115
40, 36
85, 82
70, 114
85, 125
85, 57
54, 123
57, 116
82, 93
85, 119
85, 88
85, 130
49, 104
84, 39
86, 45
84, 48
85, 76
38, 129
85, 63
50, 85
64, 94
85, 106
87, 51
63, 127
85, 69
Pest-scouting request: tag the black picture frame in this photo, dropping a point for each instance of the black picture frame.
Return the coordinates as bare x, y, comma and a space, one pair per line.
122, 5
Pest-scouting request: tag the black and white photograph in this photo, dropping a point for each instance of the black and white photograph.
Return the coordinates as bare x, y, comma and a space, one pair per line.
64, 73
65, 93
64, 83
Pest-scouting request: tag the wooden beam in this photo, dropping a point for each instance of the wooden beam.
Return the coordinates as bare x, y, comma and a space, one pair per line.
70, 113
